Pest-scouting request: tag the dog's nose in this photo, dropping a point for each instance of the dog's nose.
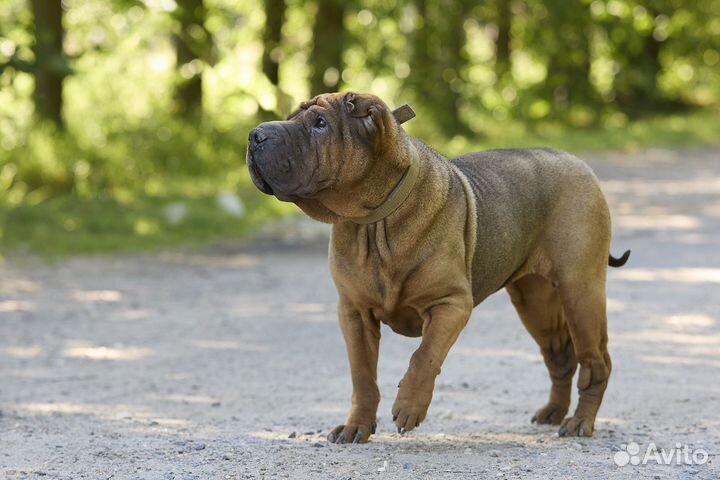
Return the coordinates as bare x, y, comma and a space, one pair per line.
257, 136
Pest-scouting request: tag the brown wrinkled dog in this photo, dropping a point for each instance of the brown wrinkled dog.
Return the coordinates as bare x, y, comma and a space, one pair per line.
419, 240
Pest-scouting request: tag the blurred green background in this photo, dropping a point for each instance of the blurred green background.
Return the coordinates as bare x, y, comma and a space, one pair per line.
123, 123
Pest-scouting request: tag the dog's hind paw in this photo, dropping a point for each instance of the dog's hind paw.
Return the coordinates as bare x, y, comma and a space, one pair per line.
351, 433
577, 427
550, 414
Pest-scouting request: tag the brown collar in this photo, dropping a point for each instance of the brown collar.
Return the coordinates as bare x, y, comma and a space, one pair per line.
397, 196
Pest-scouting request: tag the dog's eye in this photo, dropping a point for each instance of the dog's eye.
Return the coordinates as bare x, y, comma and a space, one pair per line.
320, 124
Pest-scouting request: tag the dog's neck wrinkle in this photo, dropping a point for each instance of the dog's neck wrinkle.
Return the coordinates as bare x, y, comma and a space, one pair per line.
373, 191
395, 197
434, 176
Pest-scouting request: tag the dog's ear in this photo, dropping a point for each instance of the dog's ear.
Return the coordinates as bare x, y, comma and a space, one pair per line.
360, 105
375, 115
303, 106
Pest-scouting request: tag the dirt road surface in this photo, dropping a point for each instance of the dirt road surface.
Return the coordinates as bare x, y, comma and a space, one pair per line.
228, 362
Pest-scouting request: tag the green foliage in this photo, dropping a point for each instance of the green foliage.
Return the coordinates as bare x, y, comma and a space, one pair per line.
592, 75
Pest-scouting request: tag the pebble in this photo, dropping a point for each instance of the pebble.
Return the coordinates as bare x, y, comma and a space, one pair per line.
407, 466
318, 445
199, 446
292, 435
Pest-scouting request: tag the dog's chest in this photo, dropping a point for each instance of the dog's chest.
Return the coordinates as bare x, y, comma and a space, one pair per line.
378, 281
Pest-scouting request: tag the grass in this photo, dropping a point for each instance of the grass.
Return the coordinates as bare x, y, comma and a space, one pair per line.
188, 212
694, 129
68, 226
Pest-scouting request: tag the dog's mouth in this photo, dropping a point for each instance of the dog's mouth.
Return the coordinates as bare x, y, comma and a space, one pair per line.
256, 176
264, 186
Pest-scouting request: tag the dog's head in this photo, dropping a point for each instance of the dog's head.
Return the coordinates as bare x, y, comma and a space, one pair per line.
332, 141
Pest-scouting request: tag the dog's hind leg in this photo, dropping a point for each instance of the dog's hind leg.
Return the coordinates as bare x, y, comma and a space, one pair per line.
538, 304
584, 303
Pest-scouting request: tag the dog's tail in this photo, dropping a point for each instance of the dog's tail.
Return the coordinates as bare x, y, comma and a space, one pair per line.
618, 262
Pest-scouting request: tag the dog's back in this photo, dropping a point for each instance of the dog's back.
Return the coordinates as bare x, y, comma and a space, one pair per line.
527, 197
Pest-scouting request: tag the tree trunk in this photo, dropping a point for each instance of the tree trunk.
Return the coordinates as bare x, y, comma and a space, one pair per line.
50, 68
437, 60
329, 41
568, 41
502, 44
652, 52
190, 40
272, 36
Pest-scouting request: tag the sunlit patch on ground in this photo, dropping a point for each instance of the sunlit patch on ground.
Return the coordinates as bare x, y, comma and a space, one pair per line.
694, 186
9, 306
221, 261
615, 305
216, 344
190, 399
97, 296
678, 275
13, 286
689, 321
108, 412
227, 345
24, 352
640, 337
107, 353
134, 314
657, 222
307, 308
680, 360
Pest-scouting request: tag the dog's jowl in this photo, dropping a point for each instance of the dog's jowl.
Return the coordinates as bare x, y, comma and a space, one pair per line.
419, 240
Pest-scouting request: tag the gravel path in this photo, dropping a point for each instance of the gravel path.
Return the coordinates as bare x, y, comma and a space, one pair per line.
228, 362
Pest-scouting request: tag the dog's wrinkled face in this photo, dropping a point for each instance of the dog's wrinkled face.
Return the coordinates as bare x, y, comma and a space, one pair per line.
331, 141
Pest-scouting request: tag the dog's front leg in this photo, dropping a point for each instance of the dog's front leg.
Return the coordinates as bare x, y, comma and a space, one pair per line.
441, 328
362, 338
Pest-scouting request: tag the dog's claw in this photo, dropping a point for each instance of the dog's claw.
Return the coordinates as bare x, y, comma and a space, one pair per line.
394, 417
562, 432
331, 437
533, 419
358, 438
340, 438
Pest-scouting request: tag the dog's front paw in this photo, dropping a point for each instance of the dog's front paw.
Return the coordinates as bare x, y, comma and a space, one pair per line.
351, 433
577, 427
408, 414
412, 402
550, 414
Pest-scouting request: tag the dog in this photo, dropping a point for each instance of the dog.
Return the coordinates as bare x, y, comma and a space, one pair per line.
419, 240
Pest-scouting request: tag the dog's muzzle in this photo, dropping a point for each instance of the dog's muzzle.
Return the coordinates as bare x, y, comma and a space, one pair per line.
256, 139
